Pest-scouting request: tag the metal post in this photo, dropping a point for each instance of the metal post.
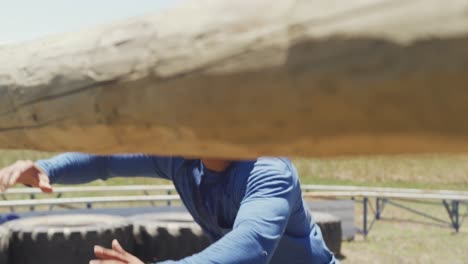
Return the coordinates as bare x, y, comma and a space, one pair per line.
377, 208
147, 193
456, 215
32, 197
169, 192
364, 203
51, 207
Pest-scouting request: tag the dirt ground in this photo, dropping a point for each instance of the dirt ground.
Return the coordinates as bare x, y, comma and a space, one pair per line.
403, 237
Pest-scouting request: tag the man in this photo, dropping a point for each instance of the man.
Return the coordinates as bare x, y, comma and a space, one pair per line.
253, 209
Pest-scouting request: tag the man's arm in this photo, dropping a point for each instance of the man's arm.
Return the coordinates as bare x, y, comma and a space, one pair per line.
75, 168
260, 222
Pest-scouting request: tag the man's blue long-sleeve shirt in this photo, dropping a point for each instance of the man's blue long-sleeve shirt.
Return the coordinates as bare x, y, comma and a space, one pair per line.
253, 209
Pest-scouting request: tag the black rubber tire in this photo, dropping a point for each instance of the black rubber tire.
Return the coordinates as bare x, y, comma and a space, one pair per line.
67, 239
4, 242
167, 236
331, 231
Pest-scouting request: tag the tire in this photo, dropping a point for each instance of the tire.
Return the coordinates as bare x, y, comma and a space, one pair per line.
167, 236
331, 231
4, 242
68, 239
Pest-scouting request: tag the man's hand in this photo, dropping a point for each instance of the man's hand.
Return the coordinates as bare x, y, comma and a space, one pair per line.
25, 172
116, 255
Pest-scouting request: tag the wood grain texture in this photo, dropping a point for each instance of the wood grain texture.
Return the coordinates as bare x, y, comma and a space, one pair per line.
240, 79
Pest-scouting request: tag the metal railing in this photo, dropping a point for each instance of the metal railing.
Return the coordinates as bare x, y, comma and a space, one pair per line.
89, 201
451, 200
121, 188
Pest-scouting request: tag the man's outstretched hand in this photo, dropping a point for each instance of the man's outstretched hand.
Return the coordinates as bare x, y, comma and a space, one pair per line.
116, 255
25, 172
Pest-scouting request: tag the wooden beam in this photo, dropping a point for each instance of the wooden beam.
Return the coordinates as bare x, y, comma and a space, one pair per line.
246, 78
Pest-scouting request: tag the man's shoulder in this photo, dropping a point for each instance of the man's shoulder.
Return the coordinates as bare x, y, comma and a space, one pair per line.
271, 175
269, 167
274, 163
267, 163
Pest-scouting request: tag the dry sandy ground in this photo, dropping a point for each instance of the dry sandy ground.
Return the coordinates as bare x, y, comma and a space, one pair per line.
403, 237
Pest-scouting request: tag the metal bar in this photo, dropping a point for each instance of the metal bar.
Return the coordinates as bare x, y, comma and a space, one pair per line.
32, 197
12, 209
381, 195
447, 207
387, 195
377, 208
78, 200
371, 207
67, 206
450, 213
305, 188
380, 189
364, 204
456, 222
418, 212
169, 201
366, 226
151, 202
370, 225
454, 214
384, 202
59, 195
95, 189
412, 200
464, 216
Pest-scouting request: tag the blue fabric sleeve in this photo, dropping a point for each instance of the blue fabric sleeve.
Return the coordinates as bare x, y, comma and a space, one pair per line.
260, 222
76, 168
